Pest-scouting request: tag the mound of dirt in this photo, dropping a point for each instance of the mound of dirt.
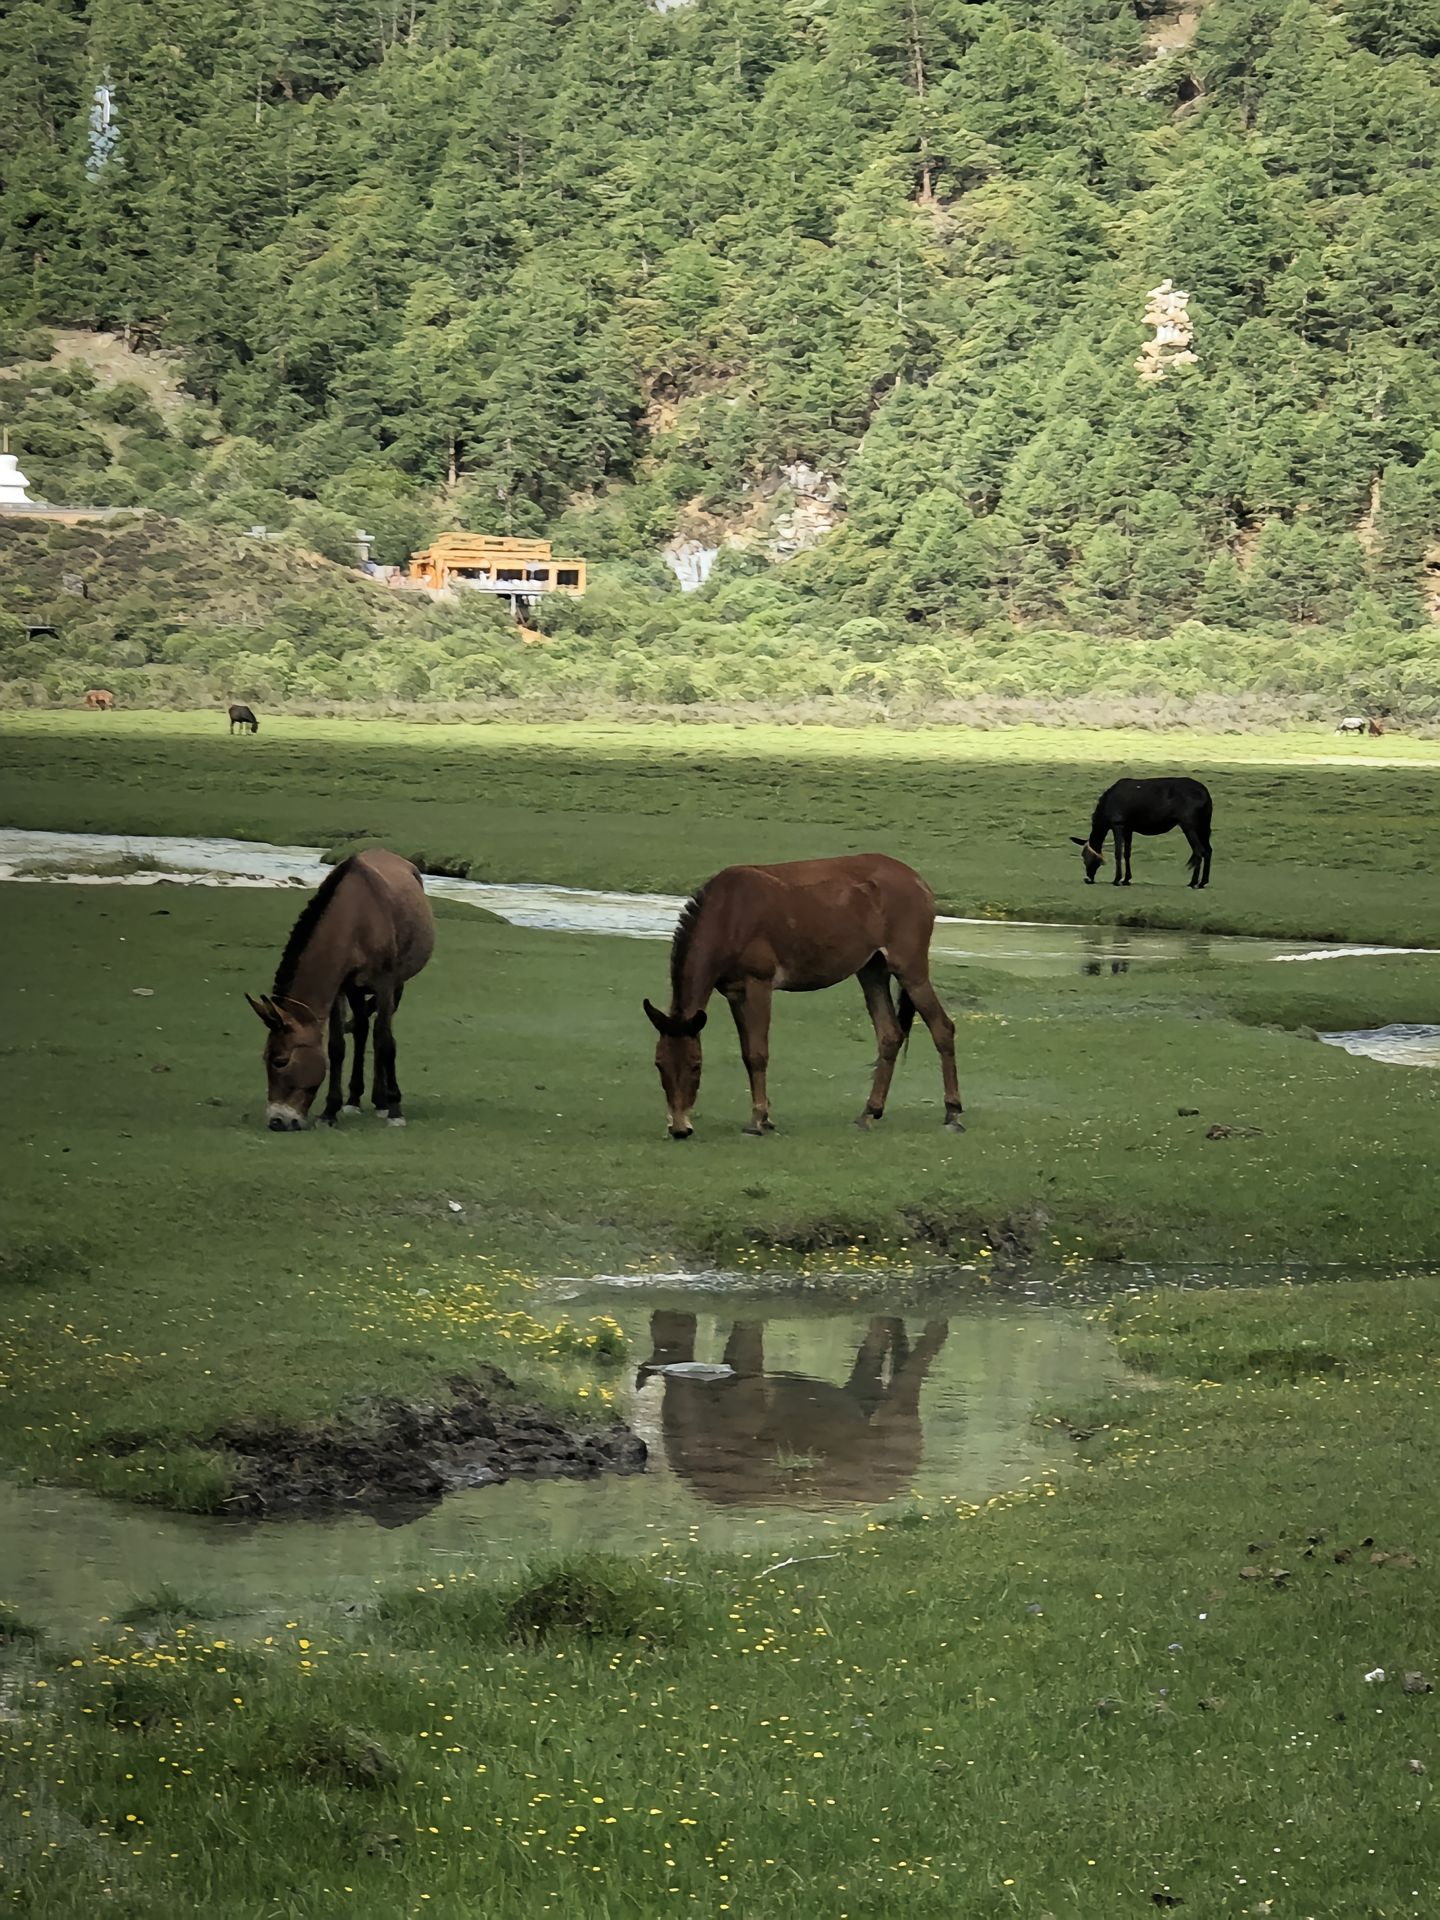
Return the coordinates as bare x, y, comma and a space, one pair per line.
400, 1457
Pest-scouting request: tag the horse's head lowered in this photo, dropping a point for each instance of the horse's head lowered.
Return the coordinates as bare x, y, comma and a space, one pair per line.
677, 1060
294, 1060
1093, 860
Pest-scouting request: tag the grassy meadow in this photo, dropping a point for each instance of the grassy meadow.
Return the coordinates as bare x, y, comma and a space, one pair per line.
1141, 1687
163, 1243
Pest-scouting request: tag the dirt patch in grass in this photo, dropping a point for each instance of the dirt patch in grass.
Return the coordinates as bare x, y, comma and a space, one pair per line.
398, 1457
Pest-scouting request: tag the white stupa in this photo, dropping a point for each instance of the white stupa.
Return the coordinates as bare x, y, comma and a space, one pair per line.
14, 487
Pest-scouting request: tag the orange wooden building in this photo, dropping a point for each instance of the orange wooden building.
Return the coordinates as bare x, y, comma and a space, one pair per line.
519, 570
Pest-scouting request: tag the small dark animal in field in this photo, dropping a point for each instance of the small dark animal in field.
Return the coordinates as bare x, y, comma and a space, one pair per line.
98, 700
365, 932
1148, 806
243, 718
801, 926
1359, 723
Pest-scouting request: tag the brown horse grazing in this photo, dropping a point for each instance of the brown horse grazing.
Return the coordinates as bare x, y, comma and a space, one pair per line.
100, 700
243, 718
801, 926
365, 932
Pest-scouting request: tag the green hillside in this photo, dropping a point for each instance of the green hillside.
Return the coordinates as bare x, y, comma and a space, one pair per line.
858, 284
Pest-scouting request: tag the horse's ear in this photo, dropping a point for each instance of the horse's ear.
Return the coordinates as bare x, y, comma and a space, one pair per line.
265, 1010
693, 1025
657, 1019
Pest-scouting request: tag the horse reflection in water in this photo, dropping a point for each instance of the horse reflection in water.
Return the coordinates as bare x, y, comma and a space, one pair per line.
752, 1438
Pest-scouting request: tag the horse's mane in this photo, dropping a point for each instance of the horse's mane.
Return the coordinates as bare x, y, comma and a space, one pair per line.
684, 934
311, 915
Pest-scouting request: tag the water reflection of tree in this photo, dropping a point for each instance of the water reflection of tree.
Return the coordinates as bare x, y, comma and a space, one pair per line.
752, 1438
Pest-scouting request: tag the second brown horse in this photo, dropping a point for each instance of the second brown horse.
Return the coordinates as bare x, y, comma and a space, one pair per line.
362, 935
801, 926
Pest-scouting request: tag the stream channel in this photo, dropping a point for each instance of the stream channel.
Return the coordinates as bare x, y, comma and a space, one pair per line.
1015, 946
786, 1418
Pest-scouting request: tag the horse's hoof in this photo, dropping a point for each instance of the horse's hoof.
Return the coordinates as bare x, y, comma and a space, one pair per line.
349, 1109
955, 1125
759, 1128
395, 1120
867, 1121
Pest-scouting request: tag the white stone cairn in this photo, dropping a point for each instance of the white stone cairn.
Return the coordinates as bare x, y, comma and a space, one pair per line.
14, 487
1167, 311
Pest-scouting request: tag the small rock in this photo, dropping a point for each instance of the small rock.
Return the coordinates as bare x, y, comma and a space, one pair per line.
1416, 1682
160, 1069
1034, 1607
454, 1206
1374, 1676
1188, 1113
1400, 1559
143, 993
1211, 1703
1416, 1766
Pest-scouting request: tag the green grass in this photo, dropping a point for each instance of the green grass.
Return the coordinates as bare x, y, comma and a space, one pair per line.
1140, 1684
172, 1266
1315, 836
1147, 1682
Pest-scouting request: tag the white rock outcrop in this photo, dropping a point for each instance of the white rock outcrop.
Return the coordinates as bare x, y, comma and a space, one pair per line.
1167, 311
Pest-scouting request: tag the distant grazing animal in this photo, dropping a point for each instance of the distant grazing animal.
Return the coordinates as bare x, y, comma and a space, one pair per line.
242, 717
752, 1438
98, 700
1355, 723
1148, 806
365, 932
800, 926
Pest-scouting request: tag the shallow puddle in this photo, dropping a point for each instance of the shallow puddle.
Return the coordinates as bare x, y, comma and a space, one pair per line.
1015, 946
807, 1419
1397, 1046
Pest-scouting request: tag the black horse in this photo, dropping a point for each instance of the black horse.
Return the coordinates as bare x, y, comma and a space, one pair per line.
243, 718
1148, 806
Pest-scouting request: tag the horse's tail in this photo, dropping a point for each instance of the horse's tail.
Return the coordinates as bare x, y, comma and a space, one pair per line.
905, 1014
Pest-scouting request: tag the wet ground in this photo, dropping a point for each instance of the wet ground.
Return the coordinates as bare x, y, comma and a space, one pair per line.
1022, 947
784, 1420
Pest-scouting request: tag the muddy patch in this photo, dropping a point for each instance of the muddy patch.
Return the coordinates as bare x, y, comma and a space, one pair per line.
399, 1458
